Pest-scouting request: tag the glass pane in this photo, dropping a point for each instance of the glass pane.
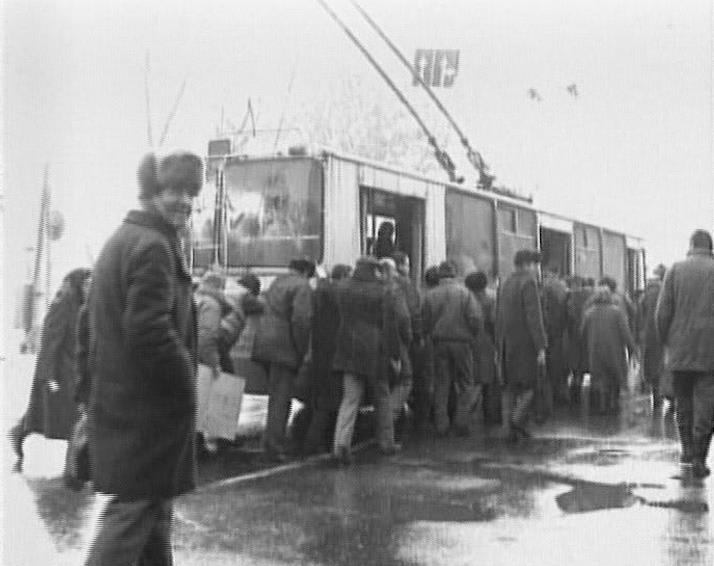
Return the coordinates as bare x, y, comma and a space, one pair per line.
202, 226
274, 210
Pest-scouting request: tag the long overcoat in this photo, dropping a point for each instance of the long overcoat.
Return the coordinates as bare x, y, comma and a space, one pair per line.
520, 332
652, 351
368, 332
607, 337
685, 313
485, 350
575, 308
54, 412
142, 362
326, 386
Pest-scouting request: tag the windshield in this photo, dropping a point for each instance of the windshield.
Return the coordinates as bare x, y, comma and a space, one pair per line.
273, 211
204, 208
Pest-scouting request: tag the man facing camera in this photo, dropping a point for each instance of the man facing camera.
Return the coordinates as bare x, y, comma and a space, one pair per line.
142, 365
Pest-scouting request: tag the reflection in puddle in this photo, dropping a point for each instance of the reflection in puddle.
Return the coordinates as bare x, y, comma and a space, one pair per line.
595, 497
587, 497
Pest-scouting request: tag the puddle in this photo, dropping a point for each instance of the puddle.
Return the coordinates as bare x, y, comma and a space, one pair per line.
584, 498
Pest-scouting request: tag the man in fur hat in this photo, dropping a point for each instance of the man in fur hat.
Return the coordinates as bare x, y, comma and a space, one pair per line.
142, 363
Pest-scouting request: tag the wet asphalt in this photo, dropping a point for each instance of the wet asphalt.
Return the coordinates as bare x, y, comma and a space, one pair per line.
585, 491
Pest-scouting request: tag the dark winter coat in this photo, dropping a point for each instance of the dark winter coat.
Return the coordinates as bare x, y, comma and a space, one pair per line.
401, 294
520, 332
53, 413
451, 313
575, 308
369, 321
142, 361
283, 335
652, 351
685, 313
554, 303
485, 350
326, 385
607, 338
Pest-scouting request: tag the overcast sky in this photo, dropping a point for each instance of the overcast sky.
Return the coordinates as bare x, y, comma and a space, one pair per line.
633, 151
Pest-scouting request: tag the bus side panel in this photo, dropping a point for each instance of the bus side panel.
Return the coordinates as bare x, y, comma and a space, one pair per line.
341, 214
470, 232
587, 251
615, 258
517, 230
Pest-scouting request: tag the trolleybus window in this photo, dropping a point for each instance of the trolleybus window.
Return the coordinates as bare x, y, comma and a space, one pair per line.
273, 211
202, 222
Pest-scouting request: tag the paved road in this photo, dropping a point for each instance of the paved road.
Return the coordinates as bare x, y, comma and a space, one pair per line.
585, 491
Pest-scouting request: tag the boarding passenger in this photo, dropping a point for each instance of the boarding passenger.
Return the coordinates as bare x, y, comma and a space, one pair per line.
653, 372
326, 389
367, 344
452, 319
578, 297
485, 348
406, 294
424, 367
281, 343
607, 337
520, 341
554, 299
211, 309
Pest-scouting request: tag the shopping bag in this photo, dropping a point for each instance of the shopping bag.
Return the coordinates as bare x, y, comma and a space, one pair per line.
219, 402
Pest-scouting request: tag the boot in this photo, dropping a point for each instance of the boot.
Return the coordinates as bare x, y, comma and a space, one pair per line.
686, 443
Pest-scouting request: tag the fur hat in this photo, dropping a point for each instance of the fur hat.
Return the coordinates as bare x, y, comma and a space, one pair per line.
178, 168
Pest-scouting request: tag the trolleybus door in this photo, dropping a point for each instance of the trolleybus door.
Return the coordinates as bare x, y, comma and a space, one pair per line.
406, 214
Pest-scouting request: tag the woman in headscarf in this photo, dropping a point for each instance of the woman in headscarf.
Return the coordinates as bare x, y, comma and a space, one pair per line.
52, 409
608, 339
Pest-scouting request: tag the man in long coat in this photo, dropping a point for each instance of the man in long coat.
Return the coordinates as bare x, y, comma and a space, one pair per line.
485, 349
554, 299
326, 384
142, 367
521, 341
367, 343
576, 355
281, 342
607, 336
685, 323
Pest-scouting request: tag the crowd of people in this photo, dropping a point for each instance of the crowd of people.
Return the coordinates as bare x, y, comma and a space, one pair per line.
435, 355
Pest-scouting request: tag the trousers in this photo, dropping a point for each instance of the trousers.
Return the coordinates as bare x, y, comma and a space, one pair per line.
353, 391
133, 533
517, 402
694, 405
453, 363
280, 382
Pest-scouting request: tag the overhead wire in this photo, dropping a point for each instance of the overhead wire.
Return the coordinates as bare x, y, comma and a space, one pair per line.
440, 154
473, 156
